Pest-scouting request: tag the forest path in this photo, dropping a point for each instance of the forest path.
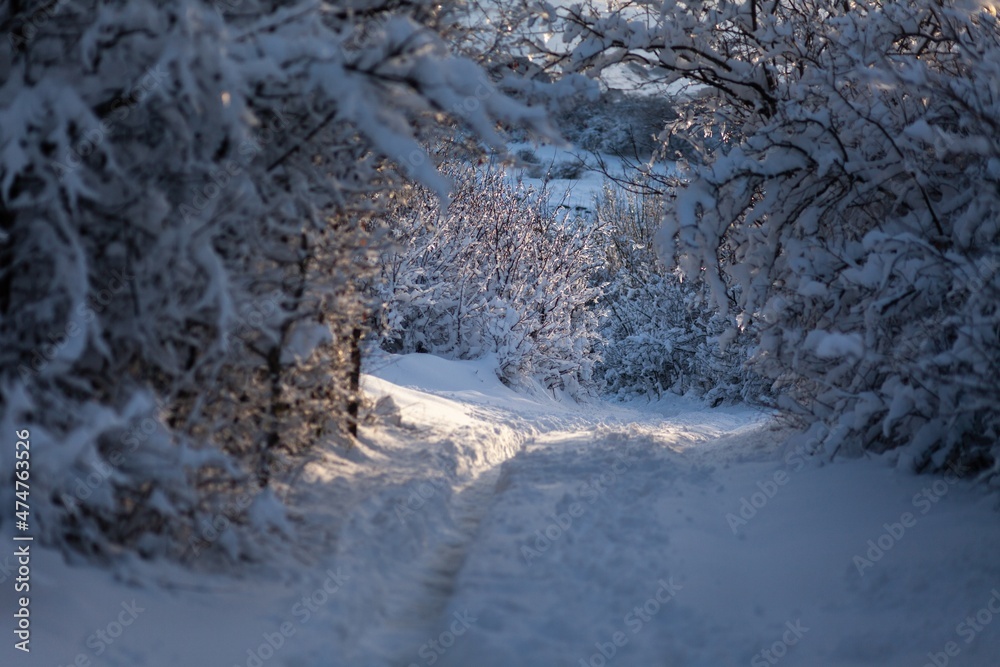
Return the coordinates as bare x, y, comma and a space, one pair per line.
676, 534
474, 526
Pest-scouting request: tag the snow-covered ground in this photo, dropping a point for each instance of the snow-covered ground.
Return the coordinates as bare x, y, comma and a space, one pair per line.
474, 526
573, 178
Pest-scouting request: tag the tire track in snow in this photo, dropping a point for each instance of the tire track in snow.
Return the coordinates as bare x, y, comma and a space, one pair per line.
423, 618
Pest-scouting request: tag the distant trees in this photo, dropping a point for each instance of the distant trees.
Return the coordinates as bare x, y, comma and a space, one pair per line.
841, 200
496, 274
183, 190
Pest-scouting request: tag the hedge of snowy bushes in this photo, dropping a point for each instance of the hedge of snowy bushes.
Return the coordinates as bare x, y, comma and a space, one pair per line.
850, 214
661, 331
495, 274
578, 303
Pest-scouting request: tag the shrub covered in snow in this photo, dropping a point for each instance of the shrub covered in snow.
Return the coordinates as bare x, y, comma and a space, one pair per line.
661, 331
496, 273
852, 210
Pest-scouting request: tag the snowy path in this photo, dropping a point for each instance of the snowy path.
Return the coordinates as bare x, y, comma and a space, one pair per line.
482, 528
686, 538
585, 556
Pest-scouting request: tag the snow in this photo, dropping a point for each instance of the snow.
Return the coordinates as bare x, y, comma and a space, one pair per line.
550, 167
481, 526
834, 344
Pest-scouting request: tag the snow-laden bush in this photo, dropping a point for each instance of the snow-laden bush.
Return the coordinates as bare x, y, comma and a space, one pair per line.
182, 193
616, 123
496, 273
661, 331
851, 211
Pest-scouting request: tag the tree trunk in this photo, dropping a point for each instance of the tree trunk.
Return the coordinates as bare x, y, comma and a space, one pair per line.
354, 397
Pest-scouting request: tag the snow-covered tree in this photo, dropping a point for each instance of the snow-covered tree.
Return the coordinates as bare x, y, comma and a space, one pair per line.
182, 192
841, 198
